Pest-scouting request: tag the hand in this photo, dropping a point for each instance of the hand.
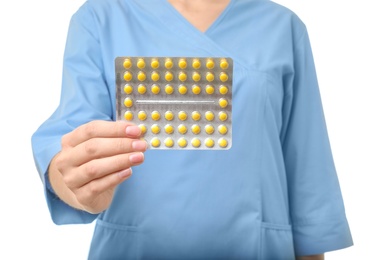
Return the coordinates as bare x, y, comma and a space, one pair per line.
95, 158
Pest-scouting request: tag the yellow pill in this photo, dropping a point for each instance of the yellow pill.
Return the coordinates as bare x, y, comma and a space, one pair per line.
128, 89
155, 89
222, 116
182, 89
209, 142
182, 63
155, 142
142, 115
169, 129
128, 115
156, 115
127, 76
196, 64
222, 129
143, 128
209, 129
141, 76
127, 63
210, 64
141, 63
182, 129
141, 89
209, 89
169, 115
168, 63
182, 76
168, 142
209, 76
168, 76
223, 76
195, 76
196, 115
169, 89
155, 76
223, 89
195, 142
223, 64
128, 102
182, 142
155, 129
195, 129
222, 142
209, 116
154, 63
196, 89
182, 115
223, 102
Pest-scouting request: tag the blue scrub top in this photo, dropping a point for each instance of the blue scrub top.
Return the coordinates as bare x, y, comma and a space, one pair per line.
273, 195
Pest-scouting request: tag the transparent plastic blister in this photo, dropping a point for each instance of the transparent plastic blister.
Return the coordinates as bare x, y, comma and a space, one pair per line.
178, 102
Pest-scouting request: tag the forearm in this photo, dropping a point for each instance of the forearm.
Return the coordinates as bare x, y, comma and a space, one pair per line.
311, 257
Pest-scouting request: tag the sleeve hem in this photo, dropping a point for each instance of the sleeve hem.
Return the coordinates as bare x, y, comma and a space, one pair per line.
317, 238
62, 214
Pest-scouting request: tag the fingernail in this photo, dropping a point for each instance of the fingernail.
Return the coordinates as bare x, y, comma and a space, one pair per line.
125, 173
136, 158
133, 130
139, 145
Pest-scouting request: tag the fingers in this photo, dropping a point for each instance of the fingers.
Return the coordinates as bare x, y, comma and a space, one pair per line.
97, 195
102, 169
102, 147
100, 129
95, 158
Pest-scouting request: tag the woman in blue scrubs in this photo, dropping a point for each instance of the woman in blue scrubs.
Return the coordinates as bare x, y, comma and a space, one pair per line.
273, 195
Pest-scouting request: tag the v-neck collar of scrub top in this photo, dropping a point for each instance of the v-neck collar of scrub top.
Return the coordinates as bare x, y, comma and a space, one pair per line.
175, 20
211, 26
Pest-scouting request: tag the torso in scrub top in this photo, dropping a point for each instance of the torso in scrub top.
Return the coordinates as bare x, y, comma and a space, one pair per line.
273, 195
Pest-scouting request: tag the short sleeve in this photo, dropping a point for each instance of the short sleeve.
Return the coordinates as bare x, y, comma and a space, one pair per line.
316, 204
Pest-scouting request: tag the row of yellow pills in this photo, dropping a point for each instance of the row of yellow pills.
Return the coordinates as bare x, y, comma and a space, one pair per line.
183, 142
183, 129
169, 89
182, 63
182, 76
182, 115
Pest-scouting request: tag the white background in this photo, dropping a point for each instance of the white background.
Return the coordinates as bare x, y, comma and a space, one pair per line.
350, 41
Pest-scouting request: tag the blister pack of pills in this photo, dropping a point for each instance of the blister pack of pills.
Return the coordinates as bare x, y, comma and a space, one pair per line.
178, 102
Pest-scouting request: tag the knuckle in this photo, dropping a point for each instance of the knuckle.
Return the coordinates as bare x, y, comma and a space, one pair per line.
68, 180
84, 196
90, 129
91, 146
65, 140
90, 192
60, 163
93, 190
91, 171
